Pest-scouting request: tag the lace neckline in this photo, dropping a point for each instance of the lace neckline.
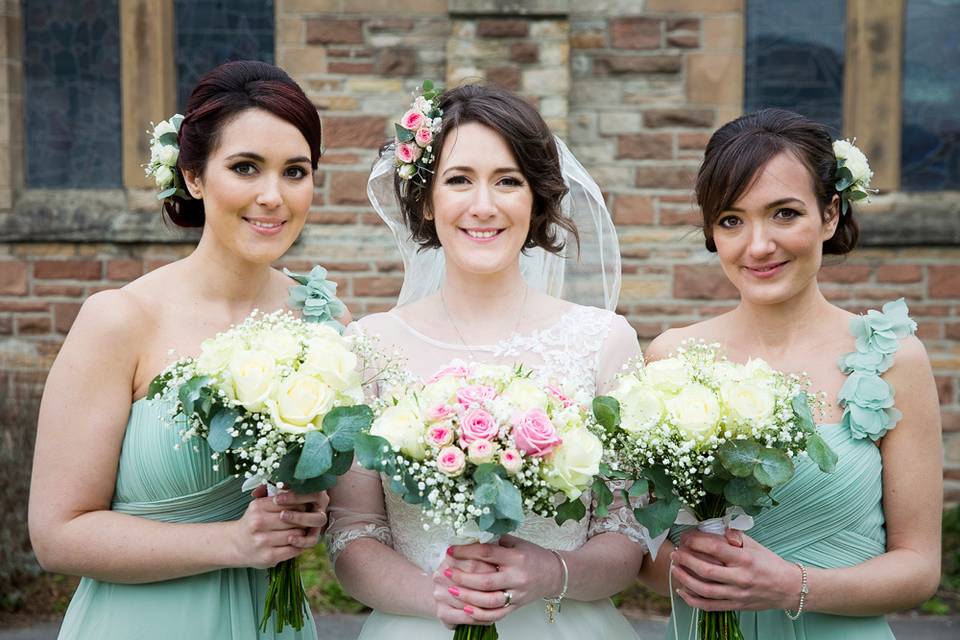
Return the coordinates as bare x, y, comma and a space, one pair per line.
488, 348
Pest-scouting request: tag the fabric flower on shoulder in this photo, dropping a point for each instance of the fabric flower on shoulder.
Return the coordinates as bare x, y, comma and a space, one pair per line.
868, 402
316, 297
873, 362
882, 330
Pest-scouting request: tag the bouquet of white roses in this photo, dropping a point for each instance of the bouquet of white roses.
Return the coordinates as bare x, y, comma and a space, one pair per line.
278, 400
711, 440
478, 446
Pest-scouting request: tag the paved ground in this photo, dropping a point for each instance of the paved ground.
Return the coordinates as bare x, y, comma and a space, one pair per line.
347, 627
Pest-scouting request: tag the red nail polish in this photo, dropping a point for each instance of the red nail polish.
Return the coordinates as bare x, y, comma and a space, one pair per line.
449, 551
468, 610
454, 591
448, 573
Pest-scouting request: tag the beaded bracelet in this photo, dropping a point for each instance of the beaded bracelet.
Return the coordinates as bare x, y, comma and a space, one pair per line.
804, 590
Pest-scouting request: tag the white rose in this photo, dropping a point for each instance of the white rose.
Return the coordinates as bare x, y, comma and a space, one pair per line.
163, 176
573, 464
403, 427
406, 171
215, 355
695, 410
162, 128
757, 369
726, 371
748, 402
443, 391
338, 368
167, 154
253, 374
854, 160
298, 400
641, 407
669, 374
525, 394
281, 344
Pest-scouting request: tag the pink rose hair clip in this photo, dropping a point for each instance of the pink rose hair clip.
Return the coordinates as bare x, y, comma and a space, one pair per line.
413, 148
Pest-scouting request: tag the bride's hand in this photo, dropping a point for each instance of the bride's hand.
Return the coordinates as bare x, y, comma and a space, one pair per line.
528, 571
451, 610
722, 573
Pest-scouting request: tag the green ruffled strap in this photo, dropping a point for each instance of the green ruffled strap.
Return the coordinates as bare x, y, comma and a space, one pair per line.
316, 297
866, 397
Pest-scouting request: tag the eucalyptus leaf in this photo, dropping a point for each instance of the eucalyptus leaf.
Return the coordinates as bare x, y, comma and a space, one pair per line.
571, 510
158, 386
509, 502
821, 453
739, 457
639, 487
189, 393
744, 492
662, 483
218, 436
613, 474
857, 195
342, 460
166, 193
714, 484
801, 408
369, 450
312, 485
603, 496
288, 463
775, 468
658, 516
316, 457
404, 135
486, 494
607, 412
343, 424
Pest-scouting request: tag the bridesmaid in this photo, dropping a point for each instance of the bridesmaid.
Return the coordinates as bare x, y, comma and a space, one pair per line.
841, 549
168, 546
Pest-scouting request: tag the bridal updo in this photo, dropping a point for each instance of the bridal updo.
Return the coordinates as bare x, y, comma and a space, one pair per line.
221, 95
534, 149
738, 151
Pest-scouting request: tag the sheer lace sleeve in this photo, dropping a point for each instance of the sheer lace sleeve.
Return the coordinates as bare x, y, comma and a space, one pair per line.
620, 347
356, 511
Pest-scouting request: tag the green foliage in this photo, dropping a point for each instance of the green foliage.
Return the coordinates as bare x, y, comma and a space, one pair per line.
315, 457
343, 424
801, 407
571, 510
821, 453
502, 498
219, 437
607, 412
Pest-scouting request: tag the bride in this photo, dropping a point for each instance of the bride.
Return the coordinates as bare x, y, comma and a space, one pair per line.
485, 216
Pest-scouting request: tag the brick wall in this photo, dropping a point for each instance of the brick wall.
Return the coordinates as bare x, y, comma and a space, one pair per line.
636, 92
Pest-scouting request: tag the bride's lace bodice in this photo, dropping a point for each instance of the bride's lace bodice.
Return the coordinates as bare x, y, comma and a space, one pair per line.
583, 350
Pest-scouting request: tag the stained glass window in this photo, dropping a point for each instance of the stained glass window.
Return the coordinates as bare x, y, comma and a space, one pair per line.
72, 85
930, 147
210, 32
794, 57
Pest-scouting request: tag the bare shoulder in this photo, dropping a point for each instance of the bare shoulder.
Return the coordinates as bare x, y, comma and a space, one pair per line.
667, 342
115, 314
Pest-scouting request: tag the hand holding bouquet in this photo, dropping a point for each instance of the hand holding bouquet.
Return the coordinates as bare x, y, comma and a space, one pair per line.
479, 446
278, 400
711, 440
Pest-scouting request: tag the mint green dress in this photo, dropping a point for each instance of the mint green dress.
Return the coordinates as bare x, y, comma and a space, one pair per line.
832, 520
159, 481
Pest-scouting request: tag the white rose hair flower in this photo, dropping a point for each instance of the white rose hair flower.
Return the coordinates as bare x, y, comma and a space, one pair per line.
853, 174
164, 153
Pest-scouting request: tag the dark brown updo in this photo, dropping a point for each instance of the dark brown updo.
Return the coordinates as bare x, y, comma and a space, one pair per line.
221, 95
738, 151
532, 145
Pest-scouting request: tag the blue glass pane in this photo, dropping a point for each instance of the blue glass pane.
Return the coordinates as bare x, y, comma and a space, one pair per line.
794, 58
931, 96
211, 32
72, 83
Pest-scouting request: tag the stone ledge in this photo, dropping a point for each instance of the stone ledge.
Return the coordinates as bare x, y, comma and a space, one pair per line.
509, 7
911, 219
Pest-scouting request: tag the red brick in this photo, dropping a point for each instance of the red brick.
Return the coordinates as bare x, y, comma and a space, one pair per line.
616, 65
929, 310
632, 209
647, 330
156, 263
500, 28
507, 76
645, 146
899, 273
702, 282
883, 294
332, 217
588, 40
950, 420
351, 67
350, 52
370, 219
319, 198
366, 132
377, 286
944, 281
13, 278
124, 269
844, 273
59, 290
6, 325
635, 33
67, 269
64, 313
929, 330
952, 330
658, 118
348, 187
683, 24
694, 140
388, 267
32, 325
680, 216
524, 52
23, 305
396, 61
675, 177
327, 31
390, 24
945, 389
332, 157
683, 40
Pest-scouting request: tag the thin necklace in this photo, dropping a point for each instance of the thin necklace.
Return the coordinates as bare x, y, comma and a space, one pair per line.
453, 324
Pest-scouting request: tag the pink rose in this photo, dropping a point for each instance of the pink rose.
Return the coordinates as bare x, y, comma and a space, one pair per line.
456, 372
481, 451
413, 120
475, 394
477, 425
439, 413
511, 460
556, 393
534, 434
451, 461
440, 435
423, 137
408, 152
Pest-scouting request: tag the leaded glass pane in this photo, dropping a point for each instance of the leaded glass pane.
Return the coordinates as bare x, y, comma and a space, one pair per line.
794, 58
72, 83
210, 32
930, 148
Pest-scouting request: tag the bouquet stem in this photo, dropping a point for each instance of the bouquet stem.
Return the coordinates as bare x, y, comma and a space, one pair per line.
719, 625
475, 632
285, 597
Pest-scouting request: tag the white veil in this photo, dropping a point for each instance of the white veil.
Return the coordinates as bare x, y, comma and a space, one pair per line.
590, 276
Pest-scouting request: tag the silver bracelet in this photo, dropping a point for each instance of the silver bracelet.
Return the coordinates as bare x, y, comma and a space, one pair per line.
804, 590
553, 604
